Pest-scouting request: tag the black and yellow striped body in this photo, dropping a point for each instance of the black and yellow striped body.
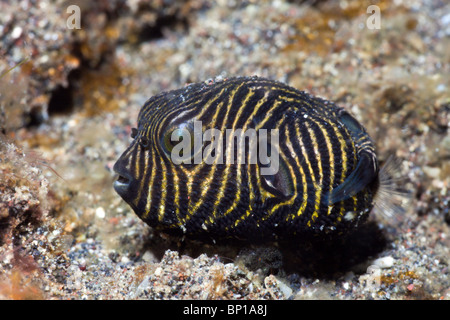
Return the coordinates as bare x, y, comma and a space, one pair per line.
326, 182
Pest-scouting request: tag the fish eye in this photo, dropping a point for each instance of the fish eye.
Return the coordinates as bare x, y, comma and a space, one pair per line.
176, 135
172, 138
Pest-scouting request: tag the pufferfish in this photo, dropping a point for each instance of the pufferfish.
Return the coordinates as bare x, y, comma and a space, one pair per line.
326, 177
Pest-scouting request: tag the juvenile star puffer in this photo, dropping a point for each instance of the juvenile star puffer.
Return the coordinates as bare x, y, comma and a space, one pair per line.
326, 175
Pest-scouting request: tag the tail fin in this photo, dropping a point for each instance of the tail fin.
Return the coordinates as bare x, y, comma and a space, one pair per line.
393, 197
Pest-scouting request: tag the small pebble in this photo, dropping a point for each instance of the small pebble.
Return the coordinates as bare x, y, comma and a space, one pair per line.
16, 33
384, 262
100, 213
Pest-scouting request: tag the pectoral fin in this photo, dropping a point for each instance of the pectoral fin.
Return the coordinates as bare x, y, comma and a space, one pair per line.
364, 174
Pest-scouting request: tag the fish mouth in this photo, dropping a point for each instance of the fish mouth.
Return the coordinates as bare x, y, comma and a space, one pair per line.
122, 185
123, 182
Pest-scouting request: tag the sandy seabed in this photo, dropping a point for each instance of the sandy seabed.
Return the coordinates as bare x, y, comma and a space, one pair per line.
67, 109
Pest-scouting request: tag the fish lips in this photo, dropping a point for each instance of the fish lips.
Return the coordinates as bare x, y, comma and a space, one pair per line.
123, 183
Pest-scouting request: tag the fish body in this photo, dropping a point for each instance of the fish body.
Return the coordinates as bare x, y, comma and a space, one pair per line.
326, 173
